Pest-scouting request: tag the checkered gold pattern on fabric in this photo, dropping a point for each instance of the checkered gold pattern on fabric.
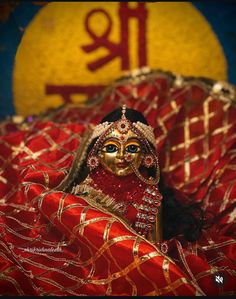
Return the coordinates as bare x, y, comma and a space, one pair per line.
45, 232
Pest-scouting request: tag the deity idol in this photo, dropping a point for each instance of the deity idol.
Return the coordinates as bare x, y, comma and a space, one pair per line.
123, 177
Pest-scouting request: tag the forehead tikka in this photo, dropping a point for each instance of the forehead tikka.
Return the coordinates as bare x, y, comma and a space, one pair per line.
123, 125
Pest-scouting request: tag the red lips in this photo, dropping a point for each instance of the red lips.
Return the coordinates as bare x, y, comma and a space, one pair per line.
122, 164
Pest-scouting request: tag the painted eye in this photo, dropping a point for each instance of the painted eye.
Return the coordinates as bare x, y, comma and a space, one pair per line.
132, 148
110, 148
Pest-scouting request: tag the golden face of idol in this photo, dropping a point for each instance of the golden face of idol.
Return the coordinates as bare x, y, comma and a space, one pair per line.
116, 148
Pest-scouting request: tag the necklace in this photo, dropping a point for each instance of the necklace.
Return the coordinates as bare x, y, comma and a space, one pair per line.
130, 197
147, 211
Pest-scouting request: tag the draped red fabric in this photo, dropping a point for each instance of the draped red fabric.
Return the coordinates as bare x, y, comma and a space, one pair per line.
56, 243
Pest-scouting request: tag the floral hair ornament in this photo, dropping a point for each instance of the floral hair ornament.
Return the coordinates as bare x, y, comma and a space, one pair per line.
144, 133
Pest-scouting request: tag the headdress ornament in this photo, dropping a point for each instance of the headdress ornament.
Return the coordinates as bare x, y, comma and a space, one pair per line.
123, 125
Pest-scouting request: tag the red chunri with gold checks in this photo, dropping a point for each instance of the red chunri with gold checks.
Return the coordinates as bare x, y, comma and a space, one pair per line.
56, 243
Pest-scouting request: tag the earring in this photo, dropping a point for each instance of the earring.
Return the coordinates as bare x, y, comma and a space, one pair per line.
148, 161
92, 162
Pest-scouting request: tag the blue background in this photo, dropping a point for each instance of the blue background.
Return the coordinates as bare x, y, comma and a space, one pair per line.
220, 15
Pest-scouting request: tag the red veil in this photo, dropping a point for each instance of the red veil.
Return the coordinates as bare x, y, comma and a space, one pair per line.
56, 243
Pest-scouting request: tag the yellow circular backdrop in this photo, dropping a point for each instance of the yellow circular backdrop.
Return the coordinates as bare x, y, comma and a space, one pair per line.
70, 50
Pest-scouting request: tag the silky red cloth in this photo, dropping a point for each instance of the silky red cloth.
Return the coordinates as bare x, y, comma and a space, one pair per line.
55, 243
